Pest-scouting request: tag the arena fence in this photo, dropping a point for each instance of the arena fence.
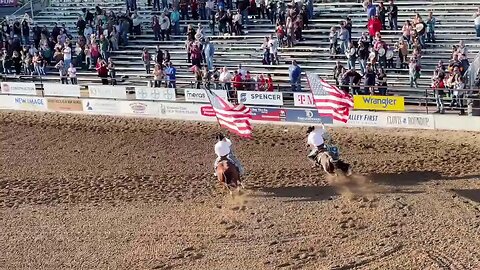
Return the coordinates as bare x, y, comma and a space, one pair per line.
193, 104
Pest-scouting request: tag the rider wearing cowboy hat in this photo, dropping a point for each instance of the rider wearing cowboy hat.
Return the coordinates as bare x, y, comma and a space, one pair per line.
223, 150
316, 142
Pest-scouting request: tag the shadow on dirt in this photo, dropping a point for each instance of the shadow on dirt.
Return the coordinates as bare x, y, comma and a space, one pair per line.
413, 178
471, 194
301, 193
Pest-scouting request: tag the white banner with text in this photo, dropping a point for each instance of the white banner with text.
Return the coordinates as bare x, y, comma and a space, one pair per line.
18, 88
107, 91
199, 95
260, 98
61, 90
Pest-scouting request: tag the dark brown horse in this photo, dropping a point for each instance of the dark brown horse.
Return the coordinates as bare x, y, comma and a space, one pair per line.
228, 175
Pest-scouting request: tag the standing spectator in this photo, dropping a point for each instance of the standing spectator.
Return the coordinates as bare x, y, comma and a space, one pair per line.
17, 62
171, 75
137, 25
333, 38
196, 54
226, 79
156, 27
104, 47
184, 9
362, 57
158, 55
237, 81
131, 5
146, 60
209, 51
62, 72
102, 70
337, 72
374, 26
266, 52
269, 83
414, 72
197, 71
273, 46
237, 24
382, 82
431, 27
476, 18
344, 38
382, 13
407, 30
295, 74
164, 27
458, 94
202, 9
393, 15
351, 54
369, 80
72, 74
175, 21
67, 56
156, 5
209, 8
369, 8
157, 75
194, 9
402, 47
25, 33
111, 71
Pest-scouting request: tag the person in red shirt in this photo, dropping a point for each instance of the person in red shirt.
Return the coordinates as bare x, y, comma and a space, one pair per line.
102, 70
269, 83
237, 81
374, 25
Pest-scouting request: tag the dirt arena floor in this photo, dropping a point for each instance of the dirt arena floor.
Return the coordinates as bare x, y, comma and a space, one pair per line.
80, 192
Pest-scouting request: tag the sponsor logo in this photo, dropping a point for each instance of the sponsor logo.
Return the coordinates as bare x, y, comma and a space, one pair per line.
243, 97
138, 107
29, 101
178, 110
418, 121
64, 104
268, 114
306, 116
382, 103
207, 111
301, 99
266, 96
196, 95
365, 119
155, 93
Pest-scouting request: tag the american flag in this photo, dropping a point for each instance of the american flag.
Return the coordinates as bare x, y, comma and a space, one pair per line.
329, 100
235, 118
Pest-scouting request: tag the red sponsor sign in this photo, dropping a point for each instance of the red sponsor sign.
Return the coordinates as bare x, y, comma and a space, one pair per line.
207, 111
268, 114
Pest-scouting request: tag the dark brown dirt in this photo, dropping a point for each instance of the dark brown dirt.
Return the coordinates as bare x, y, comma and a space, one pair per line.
80, 192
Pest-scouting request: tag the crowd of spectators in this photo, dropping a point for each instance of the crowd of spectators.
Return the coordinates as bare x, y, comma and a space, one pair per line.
28, 50
374, 55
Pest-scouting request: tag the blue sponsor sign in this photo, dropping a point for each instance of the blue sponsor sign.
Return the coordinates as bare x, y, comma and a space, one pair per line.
306, 116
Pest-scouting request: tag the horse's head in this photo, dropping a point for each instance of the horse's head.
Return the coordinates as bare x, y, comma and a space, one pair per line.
326, 160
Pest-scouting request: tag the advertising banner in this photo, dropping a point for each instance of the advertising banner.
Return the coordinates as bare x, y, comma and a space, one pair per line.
23, 103
107, 91
17, 88
199, 95
260, 98
359, 118
61, 90
150, 93
64, 104
268, 114
378, 103
303, 100
101, 106
406, 120
146, 108
306, 116
8, 3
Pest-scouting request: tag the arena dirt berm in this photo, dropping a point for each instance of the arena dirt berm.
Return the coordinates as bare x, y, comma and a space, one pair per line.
85, 192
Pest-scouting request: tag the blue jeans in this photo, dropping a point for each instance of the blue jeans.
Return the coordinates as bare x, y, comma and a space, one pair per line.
477, 29
245, 17
203, 13
176, 28
296, 86
66, 63
351, 62
363, 65
209, 62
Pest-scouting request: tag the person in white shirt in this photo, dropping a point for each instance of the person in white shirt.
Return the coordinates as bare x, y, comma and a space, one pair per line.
72, 74
226, 79
164, 27
67, 56
316, 142
223, 150
273, 46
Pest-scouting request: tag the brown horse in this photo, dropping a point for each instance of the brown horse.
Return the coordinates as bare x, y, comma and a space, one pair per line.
228, 175
325, 160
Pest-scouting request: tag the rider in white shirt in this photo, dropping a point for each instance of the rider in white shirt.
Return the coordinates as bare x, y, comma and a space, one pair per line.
223, 149
316, 141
